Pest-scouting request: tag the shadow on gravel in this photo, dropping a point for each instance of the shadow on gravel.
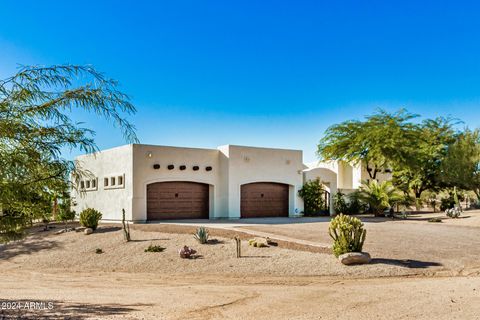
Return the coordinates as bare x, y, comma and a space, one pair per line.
107, 229
26, 246
25, 309
407, 263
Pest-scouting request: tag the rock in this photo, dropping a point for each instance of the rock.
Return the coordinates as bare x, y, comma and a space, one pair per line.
88, 231
186, 252
355, 258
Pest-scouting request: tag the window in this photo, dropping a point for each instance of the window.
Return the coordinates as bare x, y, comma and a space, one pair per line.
114, 182
94, 183
88, 184
82, 184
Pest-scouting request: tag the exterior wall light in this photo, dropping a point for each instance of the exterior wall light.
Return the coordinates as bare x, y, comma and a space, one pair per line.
149, 154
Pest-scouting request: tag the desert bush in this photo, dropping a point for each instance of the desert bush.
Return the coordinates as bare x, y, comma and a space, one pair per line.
434, 220
89, 218
313, 195
347, 233
201, 235
447, 203
453, 212
154, 248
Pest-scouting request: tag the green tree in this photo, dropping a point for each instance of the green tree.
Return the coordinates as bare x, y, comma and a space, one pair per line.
35, 125
379, 196
461, 166
421, 169
379, 142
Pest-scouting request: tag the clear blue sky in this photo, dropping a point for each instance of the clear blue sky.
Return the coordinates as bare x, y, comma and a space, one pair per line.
261, 73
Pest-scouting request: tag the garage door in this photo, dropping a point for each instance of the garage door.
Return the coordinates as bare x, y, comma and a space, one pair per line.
264, 199
177, 200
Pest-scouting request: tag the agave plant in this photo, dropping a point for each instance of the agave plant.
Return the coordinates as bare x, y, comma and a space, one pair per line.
201, 235
379, 196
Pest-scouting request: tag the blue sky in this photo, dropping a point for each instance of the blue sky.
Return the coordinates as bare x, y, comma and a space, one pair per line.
261, 73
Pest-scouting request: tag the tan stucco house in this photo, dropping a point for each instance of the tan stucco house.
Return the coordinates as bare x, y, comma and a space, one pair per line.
159, 182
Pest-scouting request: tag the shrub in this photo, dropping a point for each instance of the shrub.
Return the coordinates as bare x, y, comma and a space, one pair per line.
65, 215
201, 235
379, 196
347, 233
447, 203
313, 195
434, 220
339, 203
153, 248
89, 218
453, 212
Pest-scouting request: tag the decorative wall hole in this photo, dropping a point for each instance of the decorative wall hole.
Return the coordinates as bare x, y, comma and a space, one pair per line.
262, 195
182, 167
195, 168
208, 168
176, 195
156, 166
288, 162
171, 167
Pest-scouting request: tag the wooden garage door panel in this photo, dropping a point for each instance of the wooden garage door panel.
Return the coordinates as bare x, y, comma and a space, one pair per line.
264, 199
177, 200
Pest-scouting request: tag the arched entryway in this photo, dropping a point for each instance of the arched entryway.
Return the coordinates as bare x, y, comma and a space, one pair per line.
264, 199
177, 200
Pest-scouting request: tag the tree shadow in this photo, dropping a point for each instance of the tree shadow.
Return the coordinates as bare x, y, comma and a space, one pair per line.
107, 229
407, 263
66, 310
262, 257
28, 245
148, 240
215, 241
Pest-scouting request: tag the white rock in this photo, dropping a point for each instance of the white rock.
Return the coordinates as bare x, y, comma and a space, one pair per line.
355, 258
88, 231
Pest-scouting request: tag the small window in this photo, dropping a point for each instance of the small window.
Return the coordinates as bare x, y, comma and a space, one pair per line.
112, 181
105, 182
120, 180
88, 184
94, 183
82, 184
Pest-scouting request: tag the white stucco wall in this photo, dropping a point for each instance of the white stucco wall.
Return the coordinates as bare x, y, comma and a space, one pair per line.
144, 174
249, 164
107, 163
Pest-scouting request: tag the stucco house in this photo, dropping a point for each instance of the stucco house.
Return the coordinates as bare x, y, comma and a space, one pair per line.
159, 182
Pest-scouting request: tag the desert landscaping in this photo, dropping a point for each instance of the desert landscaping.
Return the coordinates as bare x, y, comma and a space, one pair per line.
418, 269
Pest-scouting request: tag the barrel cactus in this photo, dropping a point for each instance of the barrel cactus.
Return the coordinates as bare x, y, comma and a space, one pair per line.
347, 233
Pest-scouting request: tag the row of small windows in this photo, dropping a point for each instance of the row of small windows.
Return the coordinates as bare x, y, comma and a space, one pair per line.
112, 182
156, 166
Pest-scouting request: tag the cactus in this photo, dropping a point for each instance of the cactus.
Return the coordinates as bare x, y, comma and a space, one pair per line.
126, 227
201, 235
347, 233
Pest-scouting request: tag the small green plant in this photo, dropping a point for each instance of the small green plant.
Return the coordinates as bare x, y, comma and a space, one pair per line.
339, 203
313, 196
65, 215
347, 233
201, 235
98, 251
89, 218
436, 220
379, 195
154, 248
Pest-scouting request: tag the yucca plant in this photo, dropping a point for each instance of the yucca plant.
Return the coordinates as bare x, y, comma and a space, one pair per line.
379, 196
201, 235
347, 233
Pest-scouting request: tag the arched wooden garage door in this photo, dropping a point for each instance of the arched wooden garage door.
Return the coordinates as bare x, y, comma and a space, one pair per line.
177, 200
264, 199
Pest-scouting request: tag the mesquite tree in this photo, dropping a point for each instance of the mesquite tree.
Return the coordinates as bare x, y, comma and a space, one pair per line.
35, 125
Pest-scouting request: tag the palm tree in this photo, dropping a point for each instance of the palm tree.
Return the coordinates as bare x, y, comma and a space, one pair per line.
379, 196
